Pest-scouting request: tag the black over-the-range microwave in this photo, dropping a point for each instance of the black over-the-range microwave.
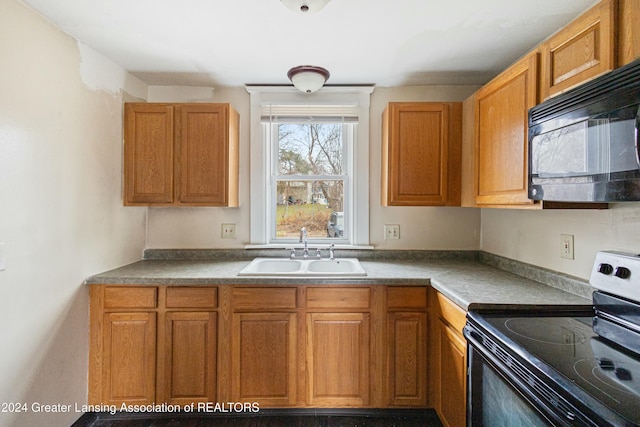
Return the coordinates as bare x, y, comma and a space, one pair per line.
583, 144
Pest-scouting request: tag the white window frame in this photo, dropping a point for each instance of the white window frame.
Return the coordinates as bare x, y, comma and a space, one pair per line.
260, 172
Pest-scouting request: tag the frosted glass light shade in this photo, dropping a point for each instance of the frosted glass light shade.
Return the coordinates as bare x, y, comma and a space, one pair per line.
308, 78
305, 6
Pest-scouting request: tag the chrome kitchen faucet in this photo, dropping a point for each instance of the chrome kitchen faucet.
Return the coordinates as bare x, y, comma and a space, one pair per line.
303, 239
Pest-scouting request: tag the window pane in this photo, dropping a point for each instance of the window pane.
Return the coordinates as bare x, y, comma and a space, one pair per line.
310, 149
316, 205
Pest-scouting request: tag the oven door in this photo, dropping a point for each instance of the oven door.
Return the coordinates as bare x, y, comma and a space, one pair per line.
495, 400
503, 392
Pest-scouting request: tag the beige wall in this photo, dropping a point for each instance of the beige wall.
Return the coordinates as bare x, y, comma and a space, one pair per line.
534, 236
420, 228
61, 214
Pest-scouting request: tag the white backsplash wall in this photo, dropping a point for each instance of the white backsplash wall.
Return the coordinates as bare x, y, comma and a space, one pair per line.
420, 227
534, 236
61, 213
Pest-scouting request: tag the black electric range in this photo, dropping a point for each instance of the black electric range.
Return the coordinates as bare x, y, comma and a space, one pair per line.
578, 367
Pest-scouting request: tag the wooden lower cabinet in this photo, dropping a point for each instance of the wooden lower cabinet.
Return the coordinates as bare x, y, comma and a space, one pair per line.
189, 371
338, 359
278, 346
449, 366
152, 344
407, 359
452, 384
129, 358
407, 348
264, 358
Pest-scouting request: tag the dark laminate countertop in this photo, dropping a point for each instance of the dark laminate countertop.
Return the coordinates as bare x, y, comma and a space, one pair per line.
472, 280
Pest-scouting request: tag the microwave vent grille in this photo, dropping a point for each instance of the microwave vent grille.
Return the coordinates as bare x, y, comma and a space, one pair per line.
625, 80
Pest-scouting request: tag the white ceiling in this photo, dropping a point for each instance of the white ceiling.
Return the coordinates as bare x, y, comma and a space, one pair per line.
382, 42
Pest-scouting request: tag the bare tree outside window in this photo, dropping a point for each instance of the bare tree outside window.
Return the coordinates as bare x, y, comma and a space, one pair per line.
310, 180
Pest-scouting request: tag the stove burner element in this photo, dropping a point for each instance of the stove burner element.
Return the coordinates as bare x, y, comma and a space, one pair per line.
567, 334
601, 379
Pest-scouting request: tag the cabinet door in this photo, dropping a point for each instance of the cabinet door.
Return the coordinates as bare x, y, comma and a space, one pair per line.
148, 154
264, 358
582, 50
337, 359
203, 154
628, 31
415, 154
452, 365
189, 371
407, 359
501, 151
469, 187
129, 358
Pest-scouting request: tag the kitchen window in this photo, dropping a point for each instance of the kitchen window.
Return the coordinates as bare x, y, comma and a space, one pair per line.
309, 166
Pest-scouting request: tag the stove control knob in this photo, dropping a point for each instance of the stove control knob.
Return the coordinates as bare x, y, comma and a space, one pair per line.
605, 268
622, 272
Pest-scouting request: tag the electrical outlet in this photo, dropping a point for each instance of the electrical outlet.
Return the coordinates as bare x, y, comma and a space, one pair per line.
566, 246
228, 231
391, 231
3, 256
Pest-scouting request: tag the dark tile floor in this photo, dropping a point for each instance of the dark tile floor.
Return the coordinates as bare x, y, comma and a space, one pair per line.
392, 418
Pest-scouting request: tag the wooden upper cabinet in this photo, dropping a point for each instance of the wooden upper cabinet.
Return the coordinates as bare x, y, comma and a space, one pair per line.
628, 31
469, 187
582, 50
148, 154
206, 160
501, 154
421, 143
181, 154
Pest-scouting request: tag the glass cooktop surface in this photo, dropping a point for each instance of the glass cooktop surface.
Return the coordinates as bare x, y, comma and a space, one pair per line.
568, 345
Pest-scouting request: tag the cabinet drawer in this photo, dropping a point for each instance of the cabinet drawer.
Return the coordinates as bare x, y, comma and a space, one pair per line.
264, 298
192, 297
450, 313
130, 297
407, 297
334, 298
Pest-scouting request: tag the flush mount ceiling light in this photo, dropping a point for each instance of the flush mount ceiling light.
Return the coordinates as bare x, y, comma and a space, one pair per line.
308, 78
305, 6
